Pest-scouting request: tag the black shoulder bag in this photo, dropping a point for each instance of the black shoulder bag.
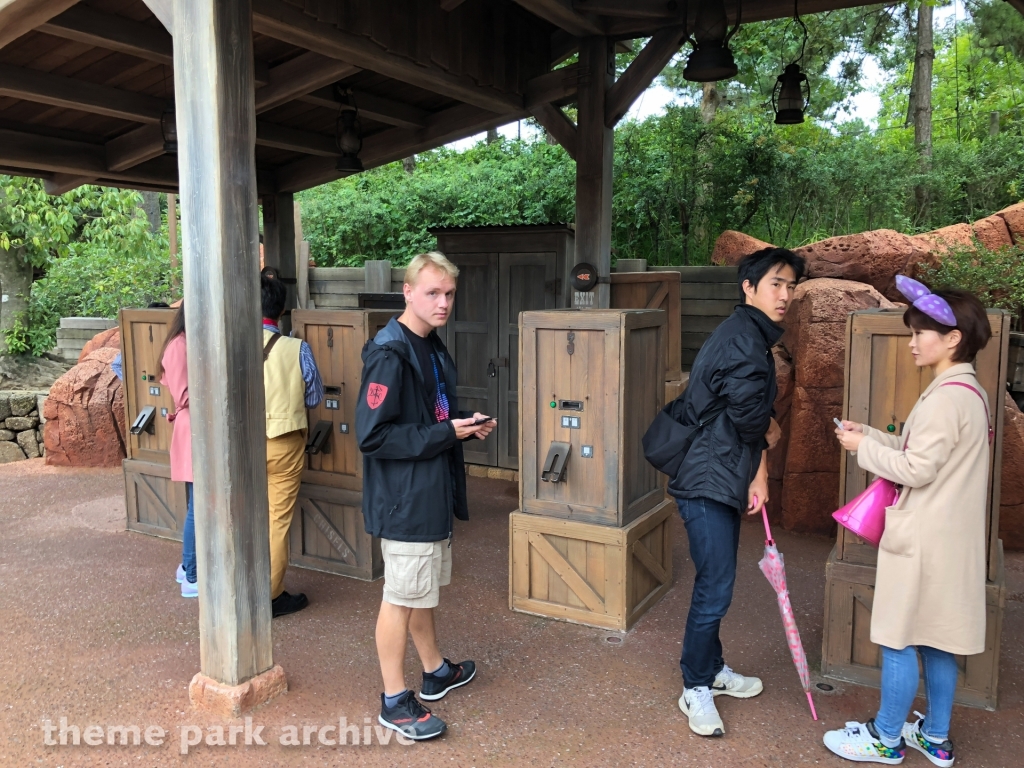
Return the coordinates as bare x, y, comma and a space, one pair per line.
666, 441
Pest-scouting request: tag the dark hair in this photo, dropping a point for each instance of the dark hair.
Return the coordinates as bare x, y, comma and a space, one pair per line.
175, 329
158, 305
971, 321
755, 266
270, 272
274, 296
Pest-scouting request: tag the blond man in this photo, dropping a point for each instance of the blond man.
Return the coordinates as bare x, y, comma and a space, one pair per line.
414, 485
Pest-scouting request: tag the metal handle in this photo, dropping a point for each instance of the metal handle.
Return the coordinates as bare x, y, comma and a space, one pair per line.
492, 371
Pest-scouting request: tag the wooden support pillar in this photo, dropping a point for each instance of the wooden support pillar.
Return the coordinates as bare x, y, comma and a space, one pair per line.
594, 156
213, 82
279, 245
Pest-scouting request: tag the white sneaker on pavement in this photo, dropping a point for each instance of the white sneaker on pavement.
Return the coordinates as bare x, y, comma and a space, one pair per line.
729, 683
699, 706
179, 575
190, 588
857, 742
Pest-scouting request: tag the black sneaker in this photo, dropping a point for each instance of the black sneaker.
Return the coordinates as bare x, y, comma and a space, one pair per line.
284, 604
435, 687
410, 718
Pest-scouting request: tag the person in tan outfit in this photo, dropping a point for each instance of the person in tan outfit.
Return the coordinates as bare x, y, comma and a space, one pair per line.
930, 582
292, 384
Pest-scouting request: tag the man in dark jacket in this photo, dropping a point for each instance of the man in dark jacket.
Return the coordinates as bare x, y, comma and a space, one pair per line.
731, 393
414, 485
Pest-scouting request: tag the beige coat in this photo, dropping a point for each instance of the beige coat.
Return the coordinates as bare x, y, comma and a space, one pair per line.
930, 584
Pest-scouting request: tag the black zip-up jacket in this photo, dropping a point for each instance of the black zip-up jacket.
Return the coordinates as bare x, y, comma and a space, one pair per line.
734, 369
414, 478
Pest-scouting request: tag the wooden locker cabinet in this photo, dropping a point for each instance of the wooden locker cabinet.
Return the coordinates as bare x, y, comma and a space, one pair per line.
155, 505
604, 368
327, 532
590, 574
882, 386
337, 337
653, 290
503, 271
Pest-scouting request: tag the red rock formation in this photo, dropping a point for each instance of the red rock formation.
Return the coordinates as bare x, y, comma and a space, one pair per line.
85, 415
816, 339
1011, 499
108, 339
1014, 218
870, 257
992, 232
732, 246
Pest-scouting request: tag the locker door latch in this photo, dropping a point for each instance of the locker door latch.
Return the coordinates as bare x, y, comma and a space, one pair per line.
554, 464
495, 364
319, 438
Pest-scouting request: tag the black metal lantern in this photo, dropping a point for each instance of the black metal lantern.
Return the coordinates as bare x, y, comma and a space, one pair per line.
711, 59
169, 129
348, 136
792, 91
791, 94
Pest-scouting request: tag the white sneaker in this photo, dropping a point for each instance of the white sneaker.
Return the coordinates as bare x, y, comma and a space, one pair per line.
190, 588
729, 683
856, 742
179, 575
938, 753
699, 706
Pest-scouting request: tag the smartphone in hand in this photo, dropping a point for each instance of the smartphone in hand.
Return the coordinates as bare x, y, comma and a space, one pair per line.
483, 420
838, 423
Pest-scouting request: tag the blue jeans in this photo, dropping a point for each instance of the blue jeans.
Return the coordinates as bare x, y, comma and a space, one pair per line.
899, 687
188, 539
714, 532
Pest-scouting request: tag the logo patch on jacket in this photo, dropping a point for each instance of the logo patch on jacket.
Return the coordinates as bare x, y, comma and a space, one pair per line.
375, 395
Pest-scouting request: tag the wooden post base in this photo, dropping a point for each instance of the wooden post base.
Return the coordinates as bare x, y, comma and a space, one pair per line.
228, 701
590, 574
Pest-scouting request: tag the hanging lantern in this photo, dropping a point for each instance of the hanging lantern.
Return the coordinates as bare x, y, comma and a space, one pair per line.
169, 129
790, 95
711, 59
792, 91
348, 137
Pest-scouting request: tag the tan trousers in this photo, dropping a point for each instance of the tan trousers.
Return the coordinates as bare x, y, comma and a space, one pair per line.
286, 458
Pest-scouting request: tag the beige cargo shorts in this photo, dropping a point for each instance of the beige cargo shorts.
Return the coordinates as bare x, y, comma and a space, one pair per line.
415, 571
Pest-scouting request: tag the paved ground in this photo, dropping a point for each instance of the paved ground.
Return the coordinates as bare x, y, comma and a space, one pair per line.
92, 629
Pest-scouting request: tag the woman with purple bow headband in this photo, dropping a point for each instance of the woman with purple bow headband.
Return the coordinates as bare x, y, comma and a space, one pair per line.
930, 581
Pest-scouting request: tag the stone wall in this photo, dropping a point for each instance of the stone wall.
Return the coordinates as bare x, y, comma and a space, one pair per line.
21, 430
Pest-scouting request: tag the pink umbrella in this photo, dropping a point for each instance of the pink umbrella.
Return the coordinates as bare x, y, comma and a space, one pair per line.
774, 569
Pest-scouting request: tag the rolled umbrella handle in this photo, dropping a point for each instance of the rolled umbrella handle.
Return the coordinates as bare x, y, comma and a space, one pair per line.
767, 528
811, 702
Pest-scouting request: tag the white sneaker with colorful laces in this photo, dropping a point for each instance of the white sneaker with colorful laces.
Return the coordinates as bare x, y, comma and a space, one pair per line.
860, 742
699, 707
939, 753
729, 683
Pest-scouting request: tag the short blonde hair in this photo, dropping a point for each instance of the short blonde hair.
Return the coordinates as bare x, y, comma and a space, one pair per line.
434, 259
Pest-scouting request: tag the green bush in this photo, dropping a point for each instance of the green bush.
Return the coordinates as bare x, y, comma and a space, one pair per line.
996, 277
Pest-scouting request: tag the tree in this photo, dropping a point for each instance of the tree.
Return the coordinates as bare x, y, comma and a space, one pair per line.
919, 111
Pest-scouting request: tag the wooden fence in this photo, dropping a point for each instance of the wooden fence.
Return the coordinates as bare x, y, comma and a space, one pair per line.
707, 295
337, 287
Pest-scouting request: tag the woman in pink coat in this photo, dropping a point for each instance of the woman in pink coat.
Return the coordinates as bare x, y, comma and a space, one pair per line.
173, 374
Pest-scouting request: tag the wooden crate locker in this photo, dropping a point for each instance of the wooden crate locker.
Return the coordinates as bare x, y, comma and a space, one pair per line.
327, 533
155, 505
592, 540
882, 386
503, 271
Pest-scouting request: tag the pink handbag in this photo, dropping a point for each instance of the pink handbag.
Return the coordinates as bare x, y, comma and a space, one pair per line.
864, 515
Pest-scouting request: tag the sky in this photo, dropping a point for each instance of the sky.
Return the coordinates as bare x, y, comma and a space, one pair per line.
655, 99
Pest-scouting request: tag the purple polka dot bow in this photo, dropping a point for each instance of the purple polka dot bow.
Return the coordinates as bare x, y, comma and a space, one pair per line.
936, 307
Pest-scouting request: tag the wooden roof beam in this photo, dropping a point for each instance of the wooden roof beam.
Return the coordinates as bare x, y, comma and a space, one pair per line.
287, 81
637, 9
20, 16
44, 88
555, 122
289, 24
164, 11
60, 183
374, 107
562, 15
1018, 4
394, 144
558, 86
116, 33
295, 140
450, 5
648, 64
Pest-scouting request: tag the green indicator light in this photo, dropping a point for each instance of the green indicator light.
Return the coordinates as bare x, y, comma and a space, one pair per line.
891, 427
143, 377
553, 404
